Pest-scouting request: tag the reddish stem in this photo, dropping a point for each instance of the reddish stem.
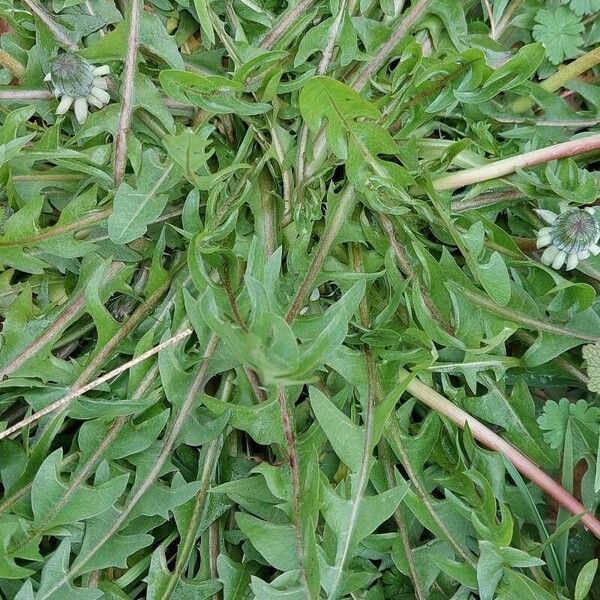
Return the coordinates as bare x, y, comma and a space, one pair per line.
507, 166
494, 442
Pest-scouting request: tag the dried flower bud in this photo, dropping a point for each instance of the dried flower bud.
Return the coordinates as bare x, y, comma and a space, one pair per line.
571, 236
77, 82
72, 76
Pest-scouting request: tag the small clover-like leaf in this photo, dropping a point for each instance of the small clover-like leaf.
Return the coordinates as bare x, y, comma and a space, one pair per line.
556, 415
560, 31
584, 7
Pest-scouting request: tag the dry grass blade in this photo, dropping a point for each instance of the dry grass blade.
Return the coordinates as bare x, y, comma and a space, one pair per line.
80, 391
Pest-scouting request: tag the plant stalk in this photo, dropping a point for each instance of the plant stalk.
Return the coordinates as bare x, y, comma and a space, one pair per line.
527, 321
491, 440
565, 74
80, 391
285, 23
506, 166
127, 94
12, 64
25, 95
60, 34
407, 22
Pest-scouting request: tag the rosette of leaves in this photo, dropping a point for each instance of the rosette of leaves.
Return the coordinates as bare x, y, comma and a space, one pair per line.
243, 303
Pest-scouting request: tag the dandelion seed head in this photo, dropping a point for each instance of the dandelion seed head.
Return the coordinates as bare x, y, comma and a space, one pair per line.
571, 236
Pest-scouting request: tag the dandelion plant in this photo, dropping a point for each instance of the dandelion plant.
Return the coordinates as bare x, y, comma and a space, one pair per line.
299, 300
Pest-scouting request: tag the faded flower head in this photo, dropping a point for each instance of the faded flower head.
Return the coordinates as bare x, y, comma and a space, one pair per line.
76, 82
570, 237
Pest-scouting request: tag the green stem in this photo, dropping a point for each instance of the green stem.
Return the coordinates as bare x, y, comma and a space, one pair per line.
341, 212
127, 94
187, 543
345, 545
527, 321
459, 206
408, 20
292, 456
509, 13
285, 23
45, 177
68, 315
564, 74
57, 230
388, 466
394, 439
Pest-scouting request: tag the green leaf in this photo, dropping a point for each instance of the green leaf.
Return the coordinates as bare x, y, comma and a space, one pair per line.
11, 148
21, 328
584, 7
585, 579
133, 211
84, 502
159, 576
556, 416
326, 100
519, 69
16, 543
275, 542
318, 350
115, 552
53, 573
212, 93
275, 235
202, 8
347, 438
160, 498
152, 36
188, 150
235, 578
284, 587
591, 354
262, 422
495, 279
20, 225
135, 208
519, 587
491, 559
131, 439
372, 511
